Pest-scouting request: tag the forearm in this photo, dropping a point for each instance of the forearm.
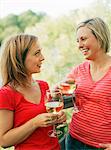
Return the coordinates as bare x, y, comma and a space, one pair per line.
17, 135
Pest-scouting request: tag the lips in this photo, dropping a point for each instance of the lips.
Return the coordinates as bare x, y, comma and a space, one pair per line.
39, 66
85, 51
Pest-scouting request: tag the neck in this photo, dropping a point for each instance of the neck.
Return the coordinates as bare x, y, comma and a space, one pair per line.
100, 62
30, 80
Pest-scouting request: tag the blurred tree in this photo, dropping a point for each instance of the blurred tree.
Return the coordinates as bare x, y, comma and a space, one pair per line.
29, 18
9, 31
57, 35
16, 24
10, 20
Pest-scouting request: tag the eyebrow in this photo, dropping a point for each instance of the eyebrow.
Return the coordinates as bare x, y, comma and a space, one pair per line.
81, 37
39, 49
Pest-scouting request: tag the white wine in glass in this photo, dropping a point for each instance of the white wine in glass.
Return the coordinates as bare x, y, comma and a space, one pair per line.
54, 103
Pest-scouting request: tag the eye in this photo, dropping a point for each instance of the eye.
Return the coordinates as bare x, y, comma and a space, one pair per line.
37, 53
83, 38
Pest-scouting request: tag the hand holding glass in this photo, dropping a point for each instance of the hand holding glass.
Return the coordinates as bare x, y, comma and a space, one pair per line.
54, 103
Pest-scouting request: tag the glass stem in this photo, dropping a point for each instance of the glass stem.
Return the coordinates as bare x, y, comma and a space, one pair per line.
54, 129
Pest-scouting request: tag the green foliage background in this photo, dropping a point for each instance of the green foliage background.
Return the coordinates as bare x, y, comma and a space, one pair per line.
57, 36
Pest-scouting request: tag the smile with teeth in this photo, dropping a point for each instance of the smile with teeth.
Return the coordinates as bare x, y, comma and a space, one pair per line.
84, 51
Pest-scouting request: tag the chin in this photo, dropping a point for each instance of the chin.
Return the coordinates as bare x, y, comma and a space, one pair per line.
87, 57
38, 71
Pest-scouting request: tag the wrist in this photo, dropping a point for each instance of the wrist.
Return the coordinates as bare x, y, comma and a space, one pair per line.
33, 123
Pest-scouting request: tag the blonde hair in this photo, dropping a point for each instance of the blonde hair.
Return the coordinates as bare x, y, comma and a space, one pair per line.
12, 60
100, 31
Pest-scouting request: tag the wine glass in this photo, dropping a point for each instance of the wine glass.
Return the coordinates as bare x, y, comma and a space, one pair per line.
68, 90
54, 103
75, 108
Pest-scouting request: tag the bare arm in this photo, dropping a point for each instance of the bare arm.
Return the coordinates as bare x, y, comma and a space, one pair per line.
10, 136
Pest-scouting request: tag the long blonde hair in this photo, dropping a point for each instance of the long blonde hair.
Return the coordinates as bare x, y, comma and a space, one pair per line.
14, 53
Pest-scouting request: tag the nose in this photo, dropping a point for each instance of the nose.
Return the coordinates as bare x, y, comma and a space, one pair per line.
42, 57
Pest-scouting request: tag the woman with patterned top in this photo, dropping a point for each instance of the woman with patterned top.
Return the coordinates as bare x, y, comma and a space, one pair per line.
90, 128
24, 122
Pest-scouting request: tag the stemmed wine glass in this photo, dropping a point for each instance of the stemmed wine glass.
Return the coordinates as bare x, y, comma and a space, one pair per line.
54, 103
75, 107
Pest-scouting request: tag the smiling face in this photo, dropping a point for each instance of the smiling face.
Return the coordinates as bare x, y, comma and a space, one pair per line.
87, 43
34, 59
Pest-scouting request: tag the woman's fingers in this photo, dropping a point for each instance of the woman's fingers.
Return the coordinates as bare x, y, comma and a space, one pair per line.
51, 119
61, 117
106, 146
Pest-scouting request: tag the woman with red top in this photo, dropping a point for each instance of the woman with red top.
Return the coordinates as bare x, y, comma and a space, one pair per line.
90, 128
24, 122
